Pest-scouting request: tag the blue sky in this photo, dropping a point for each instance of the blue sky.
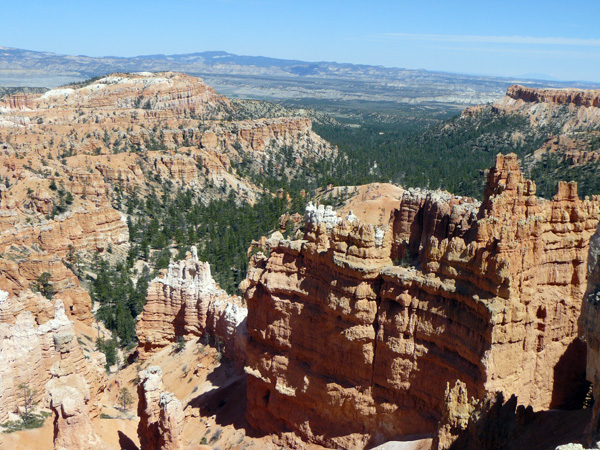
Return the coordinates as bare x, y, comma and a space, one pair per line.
558, 38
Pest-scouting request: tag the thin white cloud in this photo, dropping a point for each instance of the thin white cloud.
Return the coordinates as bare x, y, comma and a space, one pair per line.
516, 40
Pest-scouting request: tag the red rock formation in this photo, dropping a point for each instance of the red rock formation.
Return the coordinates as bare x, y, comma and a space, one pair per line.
161, 414
186, 302
558, 96
348, 350
161, 95
423, 214
170, 422
18, 101
589, 324
32, 250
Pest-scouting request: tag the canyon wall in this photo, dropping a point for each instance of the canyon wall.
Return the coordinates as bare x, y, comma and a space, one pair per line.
559, 96
348, 350
562, 110
589, 323
185, 301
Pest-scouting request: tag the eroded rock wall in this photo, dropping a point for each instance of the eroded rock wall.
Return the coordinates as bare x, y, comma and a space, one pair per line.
348, 350
31, 343
589, 323
185, 301
558, 96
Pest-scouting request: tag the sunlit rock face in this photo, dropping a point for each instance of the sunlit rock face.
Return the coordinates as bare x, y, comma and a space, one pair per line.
185, 301
34, 335
356, 330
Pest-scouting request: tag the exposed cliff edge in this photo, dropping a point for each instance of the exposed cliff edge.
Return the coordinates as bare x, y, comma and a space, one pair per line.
486, 293
185, 301
589, 98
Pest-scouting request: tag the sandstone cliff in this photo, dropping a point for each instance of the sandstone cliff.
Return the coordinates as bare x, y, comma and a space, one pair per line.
486, 293
565, 110
489, 423
558, 96
185, 301
559, 130
590, 331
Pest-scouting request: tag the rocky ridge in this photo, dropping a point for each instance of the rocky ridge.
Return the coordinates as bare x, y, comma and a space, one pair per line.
505, 276
561, 125
187, 120
589, 98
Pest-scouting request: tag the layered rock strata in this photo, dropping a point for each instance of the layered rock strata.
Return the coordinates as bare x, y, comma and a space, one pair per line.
589, 323
348, 350
161, 413
32, 342
589, 98
185, 301
32, 250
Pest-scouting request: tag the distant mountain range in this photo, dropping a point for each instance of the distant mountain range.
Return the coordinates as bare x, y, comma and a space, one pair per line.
270, 78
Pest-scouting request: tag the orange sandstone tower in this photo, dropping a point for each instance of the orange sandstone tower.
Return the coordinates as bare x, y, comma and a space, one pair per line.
355, 330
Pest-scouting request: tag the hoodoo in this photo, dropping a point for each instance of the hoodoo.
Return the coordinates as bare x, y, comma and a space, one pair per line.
186, 302
355, 331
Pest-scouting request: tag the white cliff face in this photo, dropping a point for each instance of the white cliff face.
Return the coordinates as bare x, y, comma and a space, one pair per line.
315, 215
190, 275
28, 351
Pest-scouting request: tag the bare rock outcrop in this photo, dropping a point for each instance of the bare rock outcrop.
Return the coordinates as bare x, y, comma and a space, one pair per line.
31, 343
161, 413
564, 110
185, 301
347, 349
558, 96
68, 396
170, 422
490, 423
589, 323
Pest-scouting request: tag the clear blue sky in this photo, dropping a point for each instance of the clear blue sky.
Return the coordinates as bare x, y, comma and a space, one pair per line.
509, 38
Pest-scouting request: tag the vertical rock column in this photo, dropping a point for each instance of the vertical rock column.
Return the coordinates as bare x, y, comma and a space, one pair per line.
68, 396
161, 413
